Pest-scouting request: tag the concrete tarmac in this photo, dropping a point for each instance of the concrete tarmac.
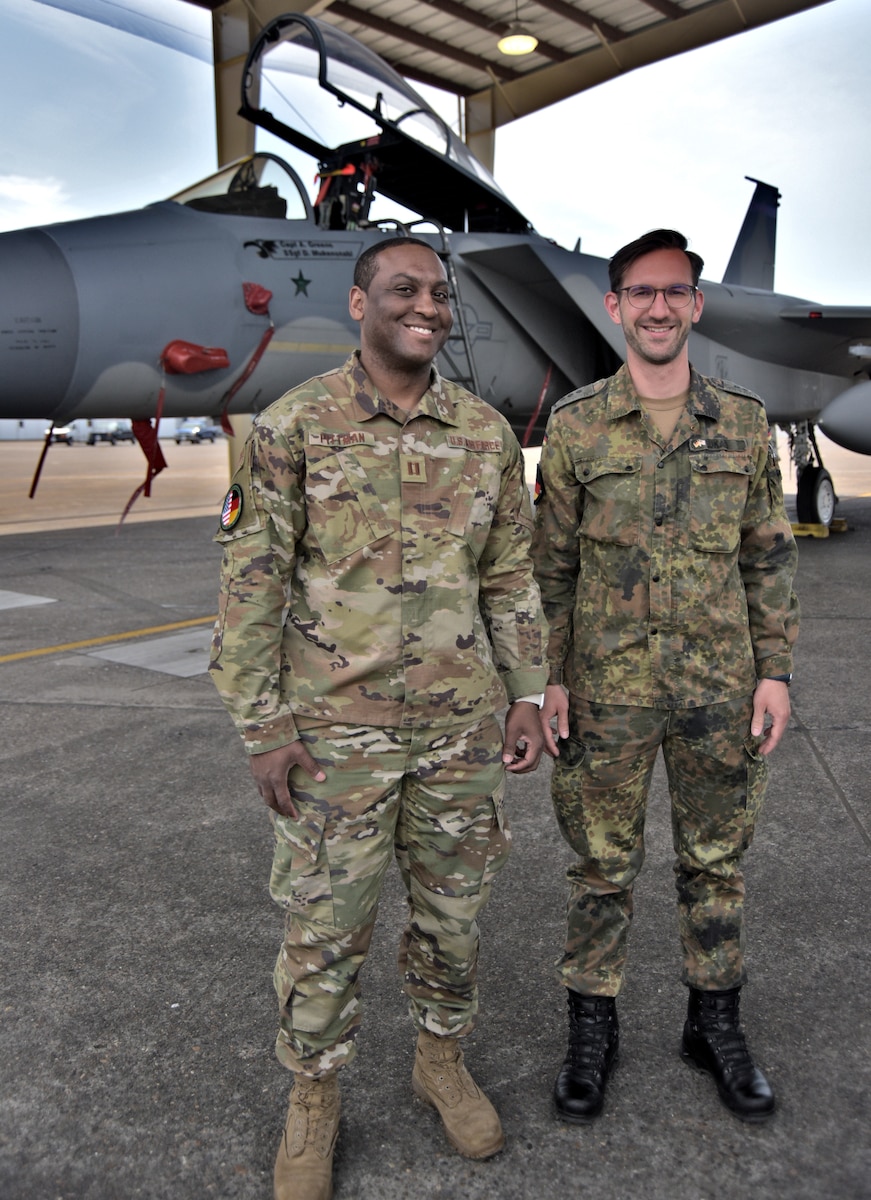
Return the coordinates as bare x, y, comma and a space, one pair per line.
138, 935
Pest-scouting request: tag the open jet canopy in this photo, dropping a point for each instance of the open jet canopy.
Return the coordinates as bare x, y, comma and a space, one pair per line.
406, 151
220, 299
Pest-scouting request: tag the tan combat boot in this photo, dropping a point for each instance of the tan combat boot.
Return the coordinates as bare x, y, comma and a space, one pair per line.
304, 1166
442, 1080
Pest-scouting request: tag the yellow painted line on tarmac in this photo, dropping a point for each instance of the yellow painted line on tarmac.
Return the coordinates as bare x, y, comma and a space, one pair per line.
103, 641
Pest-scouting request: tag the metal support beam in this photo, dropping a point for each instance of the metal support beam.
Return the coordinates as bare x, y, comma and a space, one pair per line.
506, 101
405, 33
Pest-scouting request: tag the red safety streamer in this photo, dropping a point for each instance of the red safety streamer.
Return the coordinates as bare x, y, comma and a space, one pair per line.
38, 471
257, 300
534, 417
146, 436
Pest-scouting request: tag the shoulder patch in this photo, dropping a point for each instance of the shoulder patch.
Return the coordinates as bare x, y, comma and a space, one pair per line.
726, 385
581, 393
231, 509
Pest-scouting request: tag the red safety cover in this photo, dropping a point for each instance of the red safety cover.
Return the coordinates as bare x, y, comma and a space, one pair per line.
257, 298
185, 358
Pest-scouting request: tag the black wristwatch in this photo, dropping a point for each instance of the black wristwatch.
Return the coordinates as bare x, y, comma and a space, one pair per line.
787, 679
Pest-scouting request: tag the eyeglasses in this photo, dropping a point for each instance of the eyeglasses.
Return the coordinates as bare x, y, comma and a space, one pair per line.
677, 295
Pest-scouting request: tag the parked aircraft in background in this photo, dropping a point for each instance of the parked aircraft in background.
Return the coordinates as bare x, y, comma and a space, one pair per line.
220, 298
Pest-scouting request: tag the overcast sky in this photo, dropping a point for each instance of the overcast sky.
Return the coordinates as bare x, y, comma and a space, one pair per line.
96, 120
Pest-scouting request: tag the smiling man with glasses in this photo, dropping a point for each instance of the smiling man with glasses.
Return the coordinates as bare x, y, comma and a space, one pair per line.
657, 303
665, 561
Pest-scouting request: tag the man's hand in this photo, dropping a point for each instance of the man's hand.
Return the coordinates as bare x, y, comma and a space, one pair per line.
771, 699
270, 771
521, 749
556, 704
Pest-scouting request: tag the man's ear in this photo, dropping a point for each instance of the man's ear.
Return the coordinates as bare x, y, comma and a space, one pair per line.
356, 302
698, 306
612, 307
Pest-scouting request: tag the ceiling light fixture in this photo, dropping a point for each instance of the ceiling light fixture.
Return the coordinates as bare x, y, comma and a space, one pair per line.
517, 39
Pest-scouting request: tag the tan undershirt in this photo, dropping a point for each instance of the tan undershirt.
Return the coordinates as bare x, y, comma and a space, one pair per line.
665, 414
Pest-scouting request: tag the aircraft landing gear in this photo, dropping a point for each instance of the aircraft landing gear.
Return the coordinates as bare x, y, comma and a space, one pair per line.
815, 500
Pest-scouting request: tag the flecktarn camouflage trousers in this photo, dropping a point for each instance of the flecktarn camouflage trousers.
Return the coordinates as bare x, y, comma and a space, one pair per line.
433, 799
600, 782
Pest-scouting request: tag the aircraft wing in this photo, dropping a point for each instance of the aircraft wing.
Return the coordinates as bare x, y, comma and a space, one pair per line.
841, 321
794, 333
556, 298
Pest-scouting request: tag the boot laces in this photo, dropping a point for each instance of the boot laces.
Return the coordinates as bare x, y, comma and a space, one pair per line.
448, 1068
314, 1122
588, 1040
730, 1047
720, 1028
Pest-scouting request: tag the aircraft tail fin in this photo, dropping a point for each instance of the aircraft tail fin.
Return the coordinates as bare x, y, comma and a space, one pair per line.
752, 261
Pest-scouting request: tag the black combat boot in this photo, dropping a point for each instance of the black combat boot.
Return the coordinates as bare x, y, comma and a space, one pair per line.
594, 1037
713, 1041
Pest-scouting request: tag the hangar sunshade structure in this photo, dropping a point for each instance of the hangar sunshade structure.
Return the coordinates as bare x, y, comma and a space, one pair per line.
453, 45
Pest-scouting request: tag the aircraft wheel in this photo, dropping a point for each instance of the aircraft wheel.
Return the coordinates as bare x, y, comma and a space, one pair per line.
816, 499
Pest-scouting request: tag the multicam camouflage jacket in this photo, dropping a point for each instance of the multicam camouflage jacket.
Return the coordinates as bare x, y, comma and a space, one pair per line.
665, 570
376, 567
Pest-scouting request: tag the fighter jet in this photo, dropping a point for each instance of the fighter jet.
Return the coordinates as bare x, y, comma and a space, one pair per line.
220, 298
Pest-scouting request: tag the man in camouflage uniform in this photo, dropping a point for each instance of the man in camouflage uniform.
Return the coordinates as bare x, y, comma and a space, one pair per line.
665, 562
383, 509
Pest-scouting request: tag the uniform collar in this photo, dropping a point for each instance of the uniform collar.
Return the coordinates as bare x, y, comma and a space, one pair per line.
623, 399
704, 399
368, 401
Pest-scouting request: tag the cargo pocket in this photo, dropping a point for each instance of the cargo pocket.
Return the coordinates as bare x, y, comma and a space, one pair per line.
344, 513
474, 500
499, 848
567, 789
300, 877
720, 483
757, 779
612, 499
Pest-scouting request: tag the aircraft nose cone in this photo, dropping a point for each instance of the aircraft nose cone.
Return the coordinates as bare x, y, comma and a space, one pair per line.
39, 324
847, 419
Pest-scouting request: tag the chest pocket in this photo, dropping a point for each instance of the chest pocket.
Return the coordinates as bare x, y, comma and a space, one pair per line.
611, 499
344, 512
719, 485
474, 499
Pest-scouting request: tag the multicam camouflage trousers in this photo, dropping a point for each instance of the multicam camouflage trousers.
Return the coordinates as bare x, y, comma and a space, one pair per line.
600, 783
432, 798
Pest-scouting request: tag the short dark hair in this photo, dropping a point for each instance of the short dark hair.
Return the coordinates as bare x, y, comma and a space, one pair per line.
366, 265
656, 239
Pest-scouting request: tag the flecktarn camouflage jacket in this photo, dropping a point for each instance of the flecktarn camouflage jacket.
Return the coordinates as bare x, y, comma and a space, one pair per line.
665, 571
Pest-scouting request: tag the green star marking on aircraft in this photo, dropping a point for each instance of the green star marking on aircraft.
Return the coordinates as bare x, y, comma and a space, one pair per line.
301, 284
